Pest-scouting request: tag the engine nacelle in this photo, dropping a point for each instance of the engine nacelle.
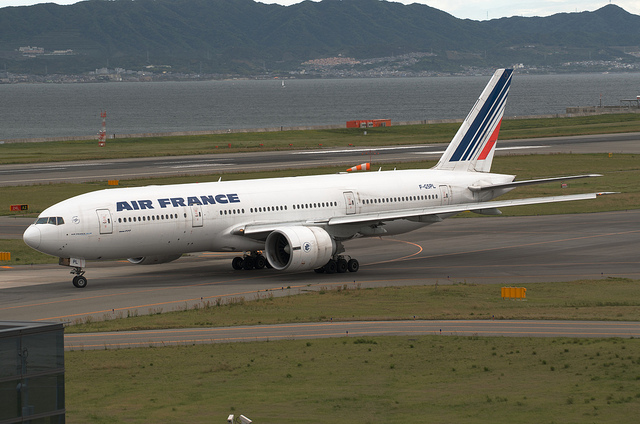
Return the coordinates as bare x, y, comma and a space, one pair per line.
153, 260
299, 248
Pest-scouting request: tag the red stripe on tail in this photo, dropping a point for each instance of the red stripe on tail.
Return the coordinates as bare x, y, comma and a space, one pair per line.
492, 142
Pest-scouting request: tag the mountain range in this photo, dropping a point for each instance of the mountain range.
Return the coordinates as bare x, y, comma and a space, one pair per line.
246, 37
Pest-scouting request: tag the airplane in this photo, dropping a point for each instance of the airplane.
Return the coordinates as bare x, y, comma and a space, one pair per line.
292, 223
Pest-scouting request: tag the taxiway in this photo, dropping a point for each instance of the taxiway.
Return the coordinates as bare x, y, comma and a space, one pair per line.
505, 250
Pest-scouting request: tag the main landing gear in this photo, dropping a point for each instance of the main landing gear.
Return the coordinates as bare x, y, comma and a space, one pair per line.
256, 260
80, 281
340, 265
253, 260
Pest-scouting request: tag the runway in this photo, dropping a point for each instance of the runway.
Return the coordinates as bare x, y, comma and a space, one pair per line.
505, 250
103, 170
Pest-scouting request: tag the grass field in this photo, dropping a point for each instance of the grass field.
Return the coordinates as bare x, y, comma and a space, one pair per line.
425, 379
364, 380
608, 299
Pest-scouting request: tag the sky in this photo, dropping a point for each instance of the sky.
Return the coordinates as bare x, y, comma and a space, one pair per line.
478, 10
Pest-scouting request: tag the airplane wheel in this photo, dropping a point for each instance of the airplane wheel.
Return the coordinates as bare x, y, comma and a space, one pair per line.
260, 262
331, 267
319, 270
236, 263
248, 263
353, 265
80, 281
341, 266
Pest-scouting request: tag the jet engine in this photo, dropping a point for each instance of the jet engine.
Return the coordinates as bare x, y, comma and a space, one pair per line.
299, 248
153, 260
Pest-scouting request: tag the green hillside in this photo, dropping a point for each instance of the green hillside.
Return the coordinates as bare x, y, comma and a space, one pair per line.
243, 36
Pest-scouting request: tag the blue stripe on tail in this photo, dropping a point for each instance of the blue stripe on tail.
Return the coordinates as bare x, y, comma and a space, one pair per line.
477, 132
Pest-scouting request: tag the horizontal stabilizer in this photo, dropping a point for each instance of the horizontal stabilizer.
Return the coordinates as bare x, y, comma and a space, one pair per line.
514, 184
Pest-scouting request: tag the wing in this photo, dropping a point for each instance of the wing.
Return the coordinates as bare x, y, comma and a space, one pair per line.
429, 214
432, 214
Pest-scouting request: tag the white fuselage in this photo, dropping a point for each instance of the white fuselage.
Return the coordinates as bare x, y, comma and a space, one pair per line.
176, 219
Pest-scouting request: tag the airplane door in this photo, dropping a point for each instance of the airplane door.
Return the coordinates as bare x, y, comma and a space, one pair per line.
445, 195
104, 220
196, 215
350, 201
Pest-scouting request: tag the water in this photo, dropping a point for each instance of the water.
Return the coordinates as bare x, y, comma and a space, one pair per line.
59, 110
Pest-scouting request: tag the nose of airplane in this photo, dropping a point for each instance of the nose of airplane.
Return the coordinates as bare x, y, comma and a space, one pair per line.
32, 237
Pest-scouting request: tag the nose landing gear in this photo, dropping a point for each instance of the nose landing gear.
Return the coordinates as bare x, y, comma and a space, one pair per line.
79, 281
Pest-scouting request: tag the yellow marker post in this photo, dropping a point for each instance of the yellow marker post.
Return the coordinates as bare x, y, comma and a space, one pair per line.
513, 292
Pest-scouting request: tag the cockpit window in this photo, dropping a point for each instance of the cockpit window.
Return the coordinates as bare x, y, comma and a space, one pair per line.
54, 220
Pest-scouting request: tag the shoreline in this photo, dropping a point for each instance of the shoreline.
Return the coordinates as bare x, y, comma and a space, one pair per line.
580, 111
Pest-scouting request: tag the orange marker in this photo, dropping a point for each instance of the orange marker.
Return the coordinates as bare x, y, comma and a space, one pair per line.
361, 167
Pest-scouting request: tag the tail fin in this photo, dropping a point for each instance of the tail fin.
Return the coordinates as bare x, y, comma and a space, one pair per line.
473, 146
